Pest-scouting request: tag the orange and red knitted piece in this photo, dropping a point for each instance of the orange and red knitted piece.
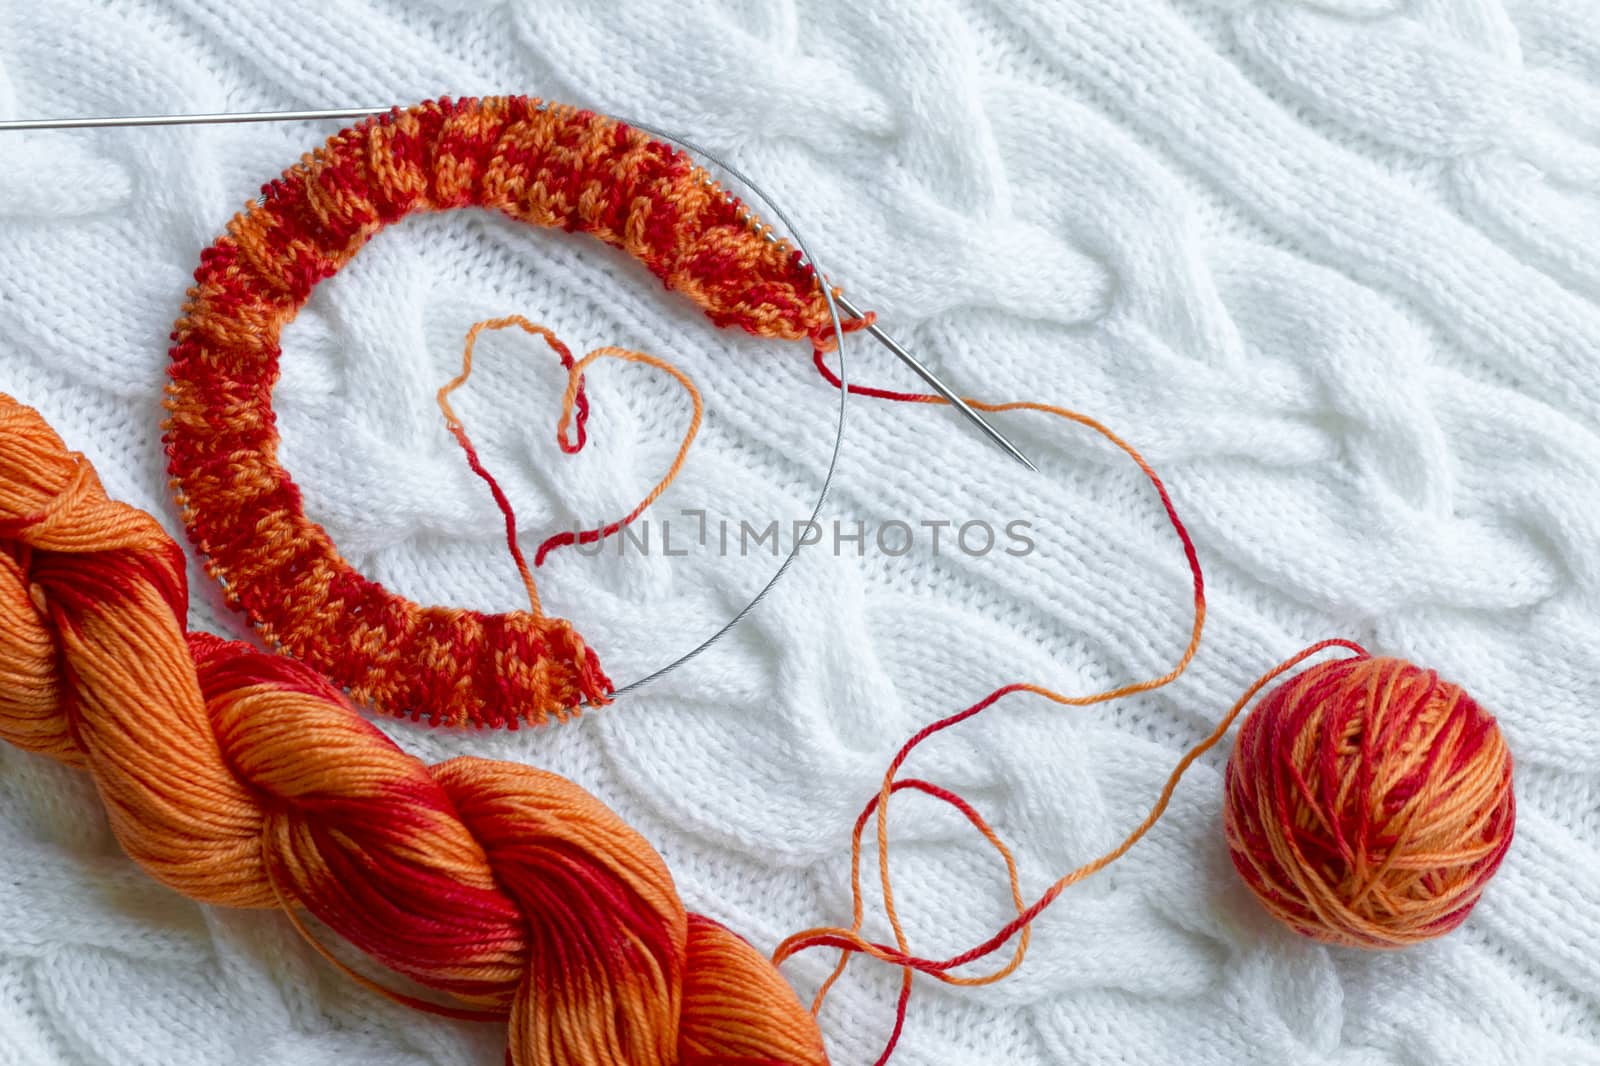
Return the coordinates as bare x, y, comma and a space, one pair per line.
544, 164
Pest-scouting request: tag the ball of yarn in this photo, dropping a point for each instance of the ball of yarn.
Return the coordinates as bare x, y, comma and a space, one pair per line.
1369, 802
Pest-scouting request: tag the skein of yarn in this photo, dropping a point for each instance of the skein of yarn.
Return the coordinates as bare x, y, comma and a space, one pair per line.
244, 779
1369, 802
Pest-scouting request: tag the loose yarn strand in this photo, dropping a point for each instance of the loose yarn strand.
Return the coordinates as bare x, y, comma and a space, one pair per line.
1425, 751
857, 905
574, 390
459, 431
571, 433
850, 940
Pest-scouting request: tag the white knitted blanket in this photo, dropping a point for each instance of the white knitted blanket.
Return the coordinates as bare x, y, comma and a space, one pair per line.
1334, 265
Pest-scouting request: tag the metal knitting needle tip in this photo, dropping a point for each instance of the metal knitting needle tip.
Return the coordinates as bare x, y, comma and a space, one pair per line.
937, 384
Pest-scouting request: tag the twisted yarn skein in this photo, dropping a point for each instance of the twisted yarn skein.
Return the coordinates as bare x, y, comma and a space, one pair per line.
1368, 802
244, 779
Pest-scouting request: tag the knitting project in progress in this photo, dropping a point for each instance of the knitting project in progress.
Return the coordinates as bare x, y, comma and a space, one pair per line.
550, 166
1353, 763
1369, 803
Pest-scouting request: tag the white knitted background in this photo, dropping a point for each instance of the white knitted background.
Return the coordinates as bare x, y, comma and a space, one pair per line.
1333, 264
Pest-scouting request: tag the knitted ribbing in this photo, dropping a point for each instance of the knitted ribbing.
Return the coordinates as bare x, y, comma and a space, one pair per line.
545, 164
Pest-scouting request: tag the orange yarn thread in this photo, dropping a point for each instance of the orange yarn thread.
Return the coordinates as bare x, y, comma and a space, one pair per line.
849, 940
245, 779
574, 413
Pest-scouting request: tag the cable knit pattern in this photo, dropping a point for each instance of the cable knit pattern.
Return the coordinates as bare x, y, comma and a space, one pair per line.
1331, 264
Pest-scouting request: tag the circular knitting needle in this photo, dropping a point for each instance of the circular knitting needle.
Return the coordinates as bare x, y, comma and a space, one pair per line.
916, 365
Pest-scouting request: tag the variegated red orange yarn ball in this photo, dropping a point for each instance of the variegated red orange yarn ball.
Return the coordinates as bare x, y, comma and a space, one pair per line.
1369, 802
